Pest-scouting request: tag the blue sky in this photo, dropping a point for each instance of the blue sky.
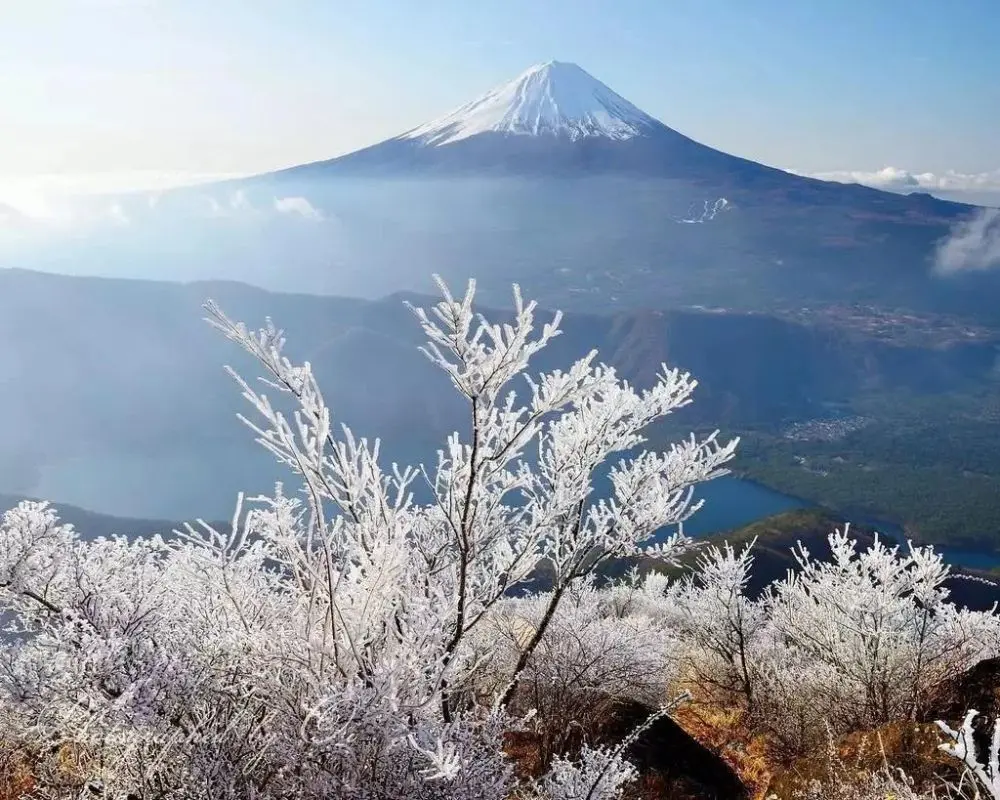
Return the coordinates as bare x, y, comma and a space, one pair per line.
231, 86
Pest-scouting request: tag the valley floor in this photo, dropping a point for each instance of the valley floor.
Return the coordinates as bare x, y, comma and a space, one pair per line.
927, 464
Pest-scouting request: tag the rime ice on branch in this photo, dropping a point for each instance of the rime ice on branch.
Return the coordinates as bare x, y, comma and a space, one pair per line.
325, 647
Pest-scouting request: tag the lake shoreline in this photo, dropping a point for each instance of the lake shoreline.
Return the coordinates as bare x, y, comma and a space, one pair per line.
976, 554
130, 488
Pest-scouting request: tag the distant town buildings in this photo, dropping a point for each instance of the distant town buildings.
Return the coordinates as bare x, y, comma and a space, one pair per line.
824, 430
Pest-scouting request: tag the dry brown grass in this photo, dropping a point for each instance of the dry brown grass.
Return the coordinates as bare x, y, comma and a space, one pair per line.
671, 766
23, 772
17, 779
723, 727
907, 747
525, 750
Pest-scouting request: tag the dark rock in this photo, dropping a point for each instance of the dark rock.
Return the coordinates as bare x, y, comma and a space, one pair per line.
670, 761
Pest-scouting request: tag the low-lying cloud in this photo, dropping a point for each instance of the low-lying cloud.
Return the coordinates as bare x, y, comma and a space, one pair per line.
33, 194
235, 204
973, 187
297, 205
972, 246
62, 201
117, 215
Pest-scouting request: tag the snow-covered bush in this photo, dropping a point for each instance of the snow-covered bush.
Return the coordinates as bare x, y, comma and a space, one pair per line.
720, 624
602, 645
330, 644
846, 643
872, 634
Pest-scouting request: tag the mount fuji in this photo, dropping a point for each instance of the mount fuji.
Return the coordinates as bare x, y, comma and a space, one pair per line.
557, 120
556, 181
554, 118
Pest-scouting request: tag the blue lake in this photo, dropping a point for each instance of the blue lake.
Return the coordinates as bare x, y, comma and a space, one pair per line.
184, 486
732, 503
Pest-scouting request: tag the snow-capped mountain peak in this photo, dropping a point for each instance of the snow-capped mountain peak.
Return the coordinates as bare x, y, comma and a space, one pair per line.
554, 99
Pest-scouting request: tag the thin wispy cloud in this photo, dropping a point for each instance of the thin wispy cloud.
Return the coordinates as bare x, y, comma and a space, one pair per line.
239, 201
44, 197
972, 246
234, 204
117, 214
297, 205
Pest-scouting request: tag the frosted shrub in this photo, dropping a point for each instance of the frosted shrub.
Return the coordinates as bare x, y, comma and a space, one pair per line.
879, 624
330, 645
720, 624
602, 645
598, 774
853, 642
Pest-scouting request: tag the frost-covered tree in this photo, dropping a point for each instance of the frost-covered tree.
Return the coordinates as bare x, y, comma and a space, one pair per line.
852, 641
719, 622
602, 645
351, 640
879, 625
330, 644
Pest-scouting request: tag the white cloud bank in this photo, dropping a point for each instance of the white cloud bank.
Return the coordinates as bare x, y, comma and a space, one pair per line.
972, 187
974, 243
972, 246
61, 199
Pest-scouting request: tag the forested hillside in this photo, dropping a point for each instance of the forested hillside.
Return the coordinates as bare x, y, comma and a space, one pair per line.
134, 390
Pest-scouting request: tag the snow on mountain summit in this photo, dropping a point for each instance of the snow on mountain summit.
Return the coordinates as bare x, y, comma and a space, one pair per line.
555, 98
